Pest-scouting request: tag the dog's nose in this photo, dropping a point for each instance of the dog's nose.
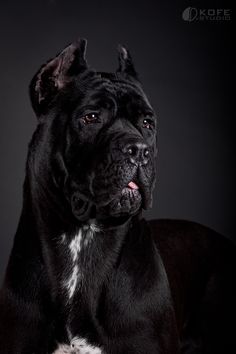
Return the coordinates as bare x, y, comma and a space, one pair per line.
137, 152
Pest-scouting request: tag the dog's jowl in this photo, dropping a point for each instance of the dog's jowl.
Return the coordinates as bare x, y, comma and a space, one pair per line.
87, 273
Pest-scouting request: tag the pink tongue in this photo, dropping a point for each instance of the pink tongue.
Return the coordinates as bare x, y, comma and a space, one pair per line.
132, 185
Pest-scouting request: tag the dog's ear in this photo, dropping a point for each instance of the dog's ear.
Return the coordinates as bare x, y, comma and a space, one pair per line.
55, 74
126, 65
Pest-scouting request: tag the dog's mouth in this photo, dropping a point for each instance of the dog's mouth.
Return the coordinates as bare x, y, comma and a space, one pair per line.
118, 194
130, 192
128, 201
137, 189
130, 198
132, 186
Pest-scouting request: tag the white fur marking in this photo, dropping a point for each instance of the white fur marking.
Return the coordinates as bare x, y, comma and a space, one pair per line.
63, 238
94, 227
83, 238
78, 346
84, 347
90, 229
75, 245
88, 237
72, 281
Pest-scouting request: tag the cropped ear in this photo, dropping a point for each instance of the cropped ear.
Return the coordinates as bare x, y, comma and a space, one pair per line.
55, 74
126, 65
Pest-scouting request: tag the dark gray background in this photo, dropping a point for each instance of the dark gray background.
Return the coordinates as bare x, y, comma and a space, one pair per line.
186, 69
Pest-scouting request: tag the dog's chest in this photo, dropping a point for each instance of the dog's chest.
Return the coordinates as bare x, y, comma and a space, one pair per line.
74, 251
77, 346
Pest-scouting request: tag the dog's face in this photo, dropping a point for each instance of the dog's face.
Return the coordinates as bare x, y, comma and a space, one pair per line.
102, 133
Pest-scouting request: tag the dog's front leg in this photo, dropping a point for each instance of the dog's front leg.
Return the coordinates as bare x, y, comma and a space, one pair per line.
25, 312
23, 327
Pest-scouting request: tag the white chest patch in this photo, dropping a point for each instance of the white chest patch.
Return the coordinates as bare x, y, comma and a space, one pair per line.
78, 346
81, 240
75, 246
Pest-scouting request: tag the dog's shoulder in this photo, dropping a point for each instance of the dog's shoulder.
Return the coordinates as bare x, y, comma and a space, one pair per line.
190, 250
179, 233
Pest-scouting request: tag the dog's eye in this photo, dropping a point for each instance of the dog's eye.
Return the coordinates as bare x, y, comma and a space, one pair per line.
147, 123
90, 118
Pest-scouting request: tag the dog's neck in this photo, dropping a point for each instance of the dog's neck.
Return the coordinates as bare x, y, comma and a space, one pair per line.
41, 221
77, 259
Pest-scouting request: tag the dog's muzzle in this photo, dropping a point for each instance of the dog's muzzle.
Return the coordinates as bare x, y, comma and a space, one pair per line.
118, 188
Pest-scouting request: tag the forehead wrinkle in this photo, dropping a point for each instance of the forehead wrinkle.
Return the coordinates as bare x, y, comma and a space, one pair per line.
141, 95
127, 87
114, 90
97, 96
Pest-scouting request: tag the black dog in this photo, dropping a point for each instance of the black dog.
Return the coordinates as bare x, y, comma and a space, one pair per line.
87, 274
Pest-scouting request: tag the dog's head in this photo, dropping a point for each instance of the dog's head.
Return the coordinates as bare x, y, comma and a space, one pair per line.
96, 138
